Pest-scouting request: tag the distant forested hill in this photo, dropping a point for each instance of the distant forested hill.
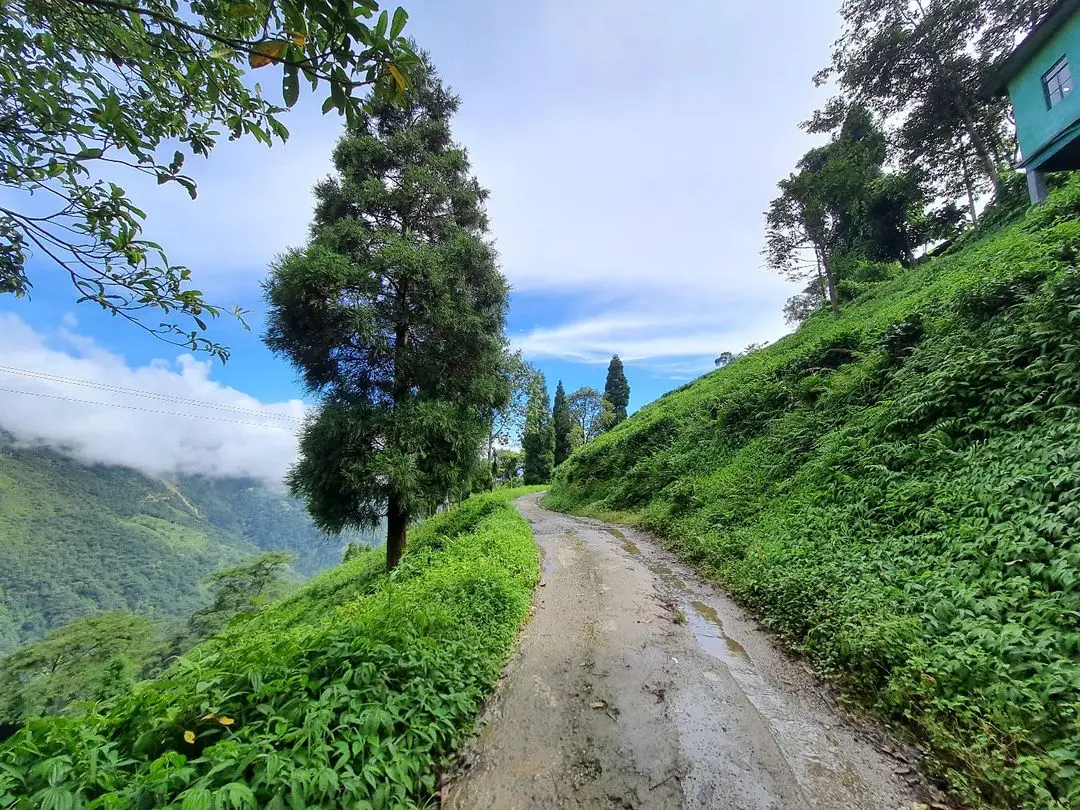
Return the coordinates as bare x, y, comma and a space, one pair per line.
76, 539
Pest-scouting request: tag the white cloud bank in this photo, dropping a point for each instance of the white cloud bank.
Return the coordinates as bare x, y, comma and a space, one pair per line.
68, 393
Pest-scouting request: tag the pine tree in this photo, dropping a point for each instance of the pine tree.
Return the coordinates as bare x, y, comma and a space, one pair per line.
394, 315
563, 424
538, 434
616, 392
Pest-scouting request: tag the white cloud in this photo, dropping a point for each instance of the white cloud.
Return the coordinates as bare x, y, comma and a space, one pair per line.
630, 151
672, 341
183, 421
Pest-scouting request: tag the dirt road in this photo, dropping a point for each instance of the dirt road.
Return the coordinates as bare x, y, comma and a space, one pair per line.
638, 685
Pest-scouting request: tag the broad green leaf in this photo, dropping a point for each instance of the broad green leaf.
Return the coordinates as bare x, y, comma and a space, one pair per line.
400, 18
242, 10
290, 86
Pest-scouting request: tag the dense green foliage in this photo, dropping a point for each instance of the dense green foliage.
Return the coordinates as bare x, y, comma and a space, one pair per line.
92, 85
350, 693
897, 491
616, 393
538, 434
78, 539
393, 315
563, 424
505, 422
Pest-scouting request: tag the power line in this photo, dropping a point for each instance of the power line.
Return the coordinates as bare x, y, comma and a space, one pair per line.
144, 410
43, 375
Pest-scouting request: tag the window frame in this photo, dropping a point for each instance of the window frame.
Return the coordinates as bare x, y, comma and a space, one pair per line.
1060, 64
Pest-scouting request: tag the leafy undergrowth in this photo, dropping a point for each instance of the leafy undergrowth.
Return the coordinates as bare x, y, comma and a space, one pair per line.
897, 492
353, 692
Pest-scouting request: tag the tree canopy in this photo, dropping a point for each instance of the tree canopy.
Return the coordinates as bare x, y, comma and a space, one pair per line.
240, 589
393, 314
586, 408
92, 657
925, 66
97, 90
506, 420
842, 205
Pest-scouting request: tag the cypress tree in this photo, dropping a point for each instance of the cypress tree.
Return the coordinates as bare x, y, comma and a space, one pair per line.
393, 313
538, 434
616, 391
563, 423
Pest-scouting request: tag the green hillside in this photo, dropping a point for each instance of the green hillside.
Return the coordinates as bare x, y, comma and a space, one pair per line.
77, 539
352, 692
897, 491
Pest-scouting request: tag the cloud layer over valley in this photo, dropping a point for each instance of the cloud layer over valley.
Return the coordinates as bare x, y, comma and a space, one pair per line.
63, 390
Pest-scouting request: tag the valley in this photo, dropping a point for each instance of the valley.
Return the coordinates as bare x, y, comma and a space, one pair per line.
78, 539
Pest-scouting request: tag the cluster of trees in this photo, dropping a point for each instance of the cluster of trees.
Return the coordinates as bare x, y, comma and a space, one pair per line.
915, 141
97, 657
550, 433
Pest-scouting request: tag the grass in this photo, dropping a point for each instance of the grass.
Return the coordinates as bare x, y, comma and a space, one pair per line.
168, 533
353, 692
897, 492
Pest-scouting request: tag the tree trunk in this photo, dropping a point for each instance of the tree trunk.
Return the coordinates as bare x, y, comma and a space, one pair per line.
960, 102
979, 144
970, 191
397, 526
397, 520
830, 281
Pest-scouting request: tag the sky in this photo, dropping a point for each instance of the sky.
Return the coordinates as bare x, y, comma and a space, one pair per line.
630, 149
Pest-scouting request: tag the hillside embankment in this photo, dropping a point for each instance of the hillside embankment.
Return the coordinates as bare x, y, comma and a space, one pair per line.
896, 491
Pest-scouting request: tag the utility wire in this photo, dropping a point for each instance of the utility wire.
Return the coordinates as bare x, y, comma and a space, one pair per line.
144, 410
42, 375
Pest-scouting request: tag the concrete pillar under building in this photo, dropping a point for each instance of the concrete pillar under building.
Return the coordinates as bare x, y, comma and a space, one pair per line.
1036, 182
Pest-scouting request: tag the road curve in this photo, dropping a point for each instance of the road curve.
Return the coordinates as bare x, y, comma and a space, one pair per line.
639, 685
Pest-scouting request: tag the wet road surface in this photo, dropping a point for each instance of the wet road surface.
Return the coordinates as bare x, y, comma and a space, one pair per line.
639, 685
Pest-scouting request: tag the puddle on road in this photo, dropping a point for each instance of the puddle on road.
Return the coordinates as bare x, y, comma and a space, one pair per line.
719, 646
666, 574
629, 545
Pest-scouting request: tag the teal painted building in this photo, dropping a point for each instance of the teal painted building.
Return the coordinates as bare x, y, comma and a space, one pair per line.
1039, 78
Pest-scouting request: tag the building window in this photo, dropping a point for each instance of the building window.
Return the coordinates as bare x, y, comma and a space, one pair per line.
1057, 82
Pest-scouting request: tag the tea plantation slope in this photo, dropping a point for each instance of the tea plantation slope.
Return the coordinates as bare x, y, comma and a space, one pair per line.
897, 492
352, 693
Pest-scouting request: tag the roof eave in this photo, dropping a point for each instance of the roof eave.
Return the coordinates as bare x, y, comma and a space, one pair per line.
1036, 38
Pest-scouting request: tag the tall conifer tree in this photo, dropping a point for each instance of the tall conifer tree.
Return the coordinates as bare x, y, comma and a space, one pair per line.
393, 313
563, 423
538, 434
616, 392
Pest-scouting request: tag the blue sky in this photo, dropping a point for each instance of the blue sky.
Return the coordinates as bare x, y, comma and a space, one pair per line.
630, 149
